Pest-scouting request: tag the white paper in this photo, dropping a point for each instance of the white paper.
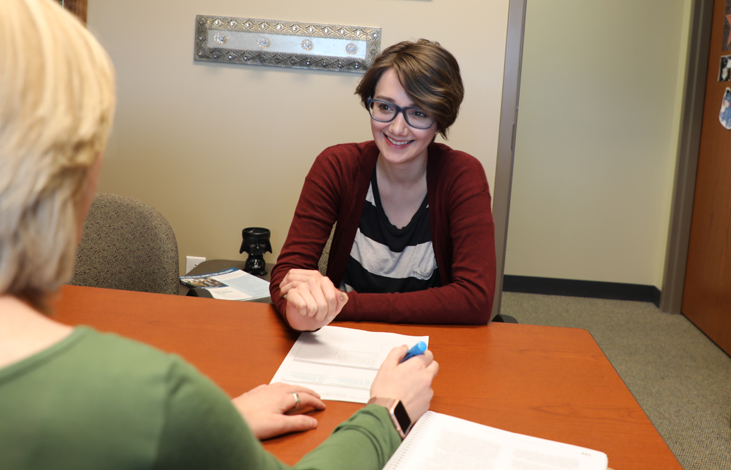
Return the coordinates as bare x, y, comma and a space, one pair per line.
340, 363
248, 284
441, 441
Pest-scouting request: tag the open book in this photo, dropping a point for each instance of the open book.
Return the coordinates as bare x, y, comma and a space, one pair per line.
440, 441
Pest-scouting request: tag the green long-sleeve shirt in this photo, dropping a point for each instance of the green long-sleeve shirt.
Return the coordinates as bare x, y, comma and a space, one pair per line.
98, 401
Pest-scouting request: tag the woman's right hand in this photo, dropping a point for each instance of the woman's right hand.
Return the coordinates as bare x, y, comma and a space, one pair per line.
409, 381
312, 299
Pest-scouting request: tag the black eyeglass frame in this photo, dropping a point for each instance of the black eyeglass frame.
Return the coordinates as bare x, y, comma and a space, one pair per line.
399, 110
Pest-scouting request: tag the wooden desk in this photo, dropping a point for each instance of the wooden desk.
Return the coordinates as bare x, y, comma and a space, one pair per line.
548, 382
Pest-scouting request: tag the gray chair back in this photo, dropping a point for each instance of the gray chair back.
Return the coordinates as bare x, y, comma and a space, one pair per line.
126, 244
325, 257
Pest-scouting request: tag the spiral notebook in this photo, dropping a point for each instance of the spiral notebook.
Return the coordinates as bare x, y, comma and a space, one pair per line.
439, 441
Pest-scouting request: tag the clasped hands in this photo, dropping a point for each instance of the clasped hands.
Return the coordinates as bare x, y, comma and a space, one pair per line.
312, 299
271, 410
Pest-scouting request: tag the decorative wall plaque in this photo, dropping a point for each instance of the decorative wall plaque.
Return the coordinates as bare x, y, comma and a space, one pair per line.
286, 44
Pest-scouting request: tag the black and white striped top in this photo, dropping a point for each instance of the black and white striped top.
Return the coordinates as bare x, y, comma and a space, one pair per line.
387, 259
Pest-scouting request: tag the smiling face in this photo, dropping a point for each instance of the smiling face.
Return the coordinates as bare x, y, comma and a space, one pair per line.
399, 143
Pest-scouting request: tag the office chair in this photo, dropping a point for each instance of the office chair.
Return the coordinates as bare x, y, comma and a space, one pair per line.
500, 318
126, 245
325, 257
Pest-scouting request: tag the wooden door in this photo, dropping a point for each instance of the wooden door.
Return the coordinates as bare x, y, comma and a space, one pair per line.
77, 7
707, 290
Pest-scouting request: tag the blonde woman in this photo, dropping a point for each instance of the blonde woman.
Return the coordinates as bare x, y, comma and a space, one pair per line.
77, 398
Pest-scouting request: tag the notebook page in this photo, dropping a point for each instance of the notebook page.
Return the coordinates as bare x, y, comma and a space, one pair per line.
439, 441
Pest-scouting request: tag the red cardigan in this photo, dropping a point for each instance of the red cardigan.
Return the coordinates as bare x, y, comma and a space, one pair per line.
462, 230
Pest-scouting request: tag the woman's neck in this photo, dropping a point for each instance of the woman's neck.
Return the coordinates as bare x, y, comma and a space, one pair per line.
402, 190
24, 331
403, 174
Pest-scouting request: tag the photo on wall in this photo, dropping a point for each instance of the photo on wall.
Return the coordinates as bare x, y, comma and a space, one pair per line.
725, 115
727, 27
724, 71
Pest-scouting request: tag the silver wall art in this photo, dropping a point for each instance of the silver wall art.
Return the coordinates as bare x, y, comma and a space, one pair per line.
286, 44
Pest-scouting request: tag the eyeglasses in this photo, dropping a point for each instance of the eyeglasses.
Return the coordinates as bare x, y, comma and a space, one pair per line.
383, 111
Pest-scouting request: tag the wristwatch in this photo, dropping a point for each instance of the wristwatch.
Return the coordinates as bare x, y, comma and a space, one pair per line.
397, 412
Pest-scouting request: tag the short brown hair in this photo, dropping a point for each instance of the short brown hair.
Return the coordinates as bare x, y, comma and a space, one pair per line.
429, 75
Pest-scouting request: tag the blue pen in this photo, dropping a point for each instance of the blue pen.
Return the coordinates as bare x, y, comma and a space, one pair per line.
418, 348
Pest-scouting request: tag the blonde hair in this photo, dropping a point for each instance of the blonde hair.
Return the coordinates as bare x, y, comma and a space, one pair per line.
56, 107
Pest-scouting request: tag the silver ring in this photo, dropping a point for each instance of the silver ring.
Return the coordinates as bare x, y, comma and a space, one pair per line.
297, 400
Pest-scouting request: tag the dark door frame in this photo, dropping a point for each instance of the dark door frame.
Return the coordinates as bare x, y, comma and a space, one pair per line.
686, 167
506, 139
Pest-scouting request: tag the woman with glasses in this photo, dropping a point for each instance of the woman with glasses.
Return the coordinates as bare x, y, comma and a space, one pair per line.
413, 236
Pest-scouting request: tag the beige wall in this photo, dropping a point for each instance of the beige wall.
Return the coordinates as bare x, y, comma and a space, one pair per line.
217, 148
597, 139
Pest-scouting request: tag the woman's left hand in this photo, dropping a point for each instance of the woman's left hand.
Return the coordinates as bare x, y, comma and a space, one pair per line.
264, 408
